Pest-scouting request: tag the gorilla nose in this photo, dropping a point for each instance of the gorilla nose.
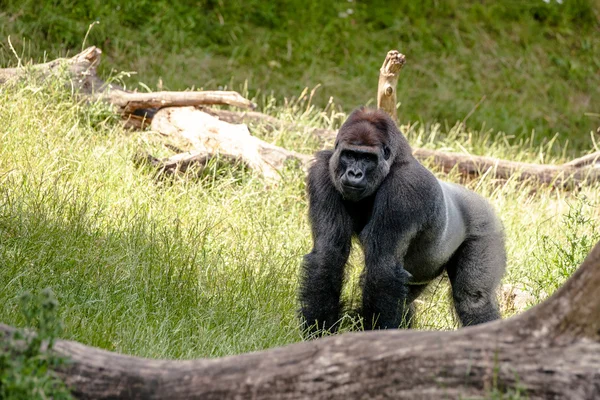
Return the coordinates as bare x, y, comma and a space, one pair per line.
354, 178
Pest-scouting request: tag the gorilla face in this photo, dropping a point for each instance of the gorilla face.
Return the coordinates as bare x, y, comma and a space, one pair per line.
360, 162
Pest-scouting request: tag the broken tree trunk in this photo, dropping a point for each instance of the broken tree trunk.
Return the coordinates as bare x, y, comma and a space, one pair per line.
388, 80
551, 351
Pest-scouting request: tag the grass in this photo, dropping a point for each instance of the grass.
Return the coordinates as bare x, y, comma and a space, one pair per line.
206, 266
513, 66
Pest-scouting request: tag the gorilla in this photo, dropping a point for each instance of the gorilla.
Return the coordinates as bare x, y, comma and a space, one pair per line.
410, 225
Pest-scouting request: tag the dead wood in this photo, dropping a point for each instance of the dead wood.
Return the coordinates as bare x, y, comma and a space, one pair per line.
269, 123
128, 102
551, 351
138, 110
582, 170
388, 80
206, 135
82, 69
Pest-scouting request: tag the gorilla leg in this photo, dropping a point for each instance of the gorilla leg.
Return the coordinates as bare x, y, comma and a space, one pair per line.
385, 300
475, 271
323, 276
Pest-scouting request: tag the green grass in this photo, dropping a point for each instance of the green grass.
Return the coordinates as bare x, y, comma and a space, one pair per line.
206, 266
514, 66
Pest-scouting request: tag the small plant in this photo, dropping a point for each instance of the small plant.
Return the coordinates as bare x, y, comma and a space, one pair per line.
559, 258
26, 365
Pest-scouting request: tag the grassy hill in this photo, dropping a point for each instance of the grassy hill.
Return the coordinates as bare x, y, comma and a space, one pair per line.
521, 67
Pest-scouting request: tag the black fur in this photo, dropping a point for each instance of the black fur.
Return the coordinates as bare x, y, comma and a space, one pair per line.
411, 226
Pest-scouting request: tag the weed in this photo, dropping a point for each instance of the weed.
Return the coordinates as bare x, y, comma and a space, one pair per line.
27, 369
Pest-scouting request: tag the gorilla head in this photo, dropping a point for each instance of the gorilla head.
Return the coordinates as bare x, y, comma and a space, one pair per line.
365, 149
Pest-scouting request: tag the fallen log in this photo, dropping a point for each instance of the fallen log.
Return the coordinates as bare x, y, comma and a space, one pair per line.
582, 170
207, 136
551, 351
82, 70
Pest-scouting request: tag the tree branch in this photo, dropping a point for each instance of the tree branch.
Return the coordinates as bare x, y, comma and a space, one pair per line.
82, 69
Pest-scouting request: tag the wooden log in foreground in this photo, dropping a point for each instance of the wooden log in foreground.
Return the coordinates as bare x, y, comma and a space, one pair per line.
551, 351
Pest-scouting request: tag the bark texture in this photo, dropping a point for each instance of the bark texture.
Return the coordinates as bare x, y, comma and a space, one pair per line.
551, 351
388, 80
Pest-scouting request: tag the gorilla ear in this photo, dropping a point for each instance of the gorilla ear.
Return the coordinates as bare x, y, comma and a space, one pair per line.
386, 152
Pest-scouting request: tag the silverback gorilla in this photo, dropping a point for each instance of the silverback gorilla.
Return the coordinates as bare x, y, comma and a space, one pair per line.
410, 225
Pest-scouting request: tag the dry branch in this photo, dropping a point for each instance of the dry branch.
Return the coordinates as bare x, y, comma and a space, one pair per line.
129, 102
582, 170
81, 68
551, 351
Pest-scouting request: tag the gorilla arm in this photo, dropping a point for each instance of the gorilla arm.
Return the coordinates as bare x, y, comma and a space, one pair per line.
323, 267
386, 239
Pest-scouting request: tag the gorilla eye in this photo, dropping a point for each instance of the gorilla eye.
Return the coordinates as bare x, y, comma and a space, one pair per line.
386, 152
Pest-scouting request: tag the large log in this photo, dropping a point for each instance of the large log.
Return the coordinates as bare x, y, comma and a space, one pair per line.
579, 171
551, 351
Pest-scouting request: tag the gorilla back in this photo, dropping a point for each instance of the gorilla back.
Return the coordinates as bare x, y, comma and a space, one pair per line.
410, 225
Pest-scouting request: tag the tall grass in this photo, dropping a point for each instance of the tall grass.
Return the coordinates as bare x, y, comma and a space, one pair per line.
207, 265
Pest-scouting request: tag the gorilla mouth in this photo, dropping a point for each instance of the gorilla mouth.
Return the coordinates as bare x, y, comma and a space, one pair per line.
353, 188
353, 192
